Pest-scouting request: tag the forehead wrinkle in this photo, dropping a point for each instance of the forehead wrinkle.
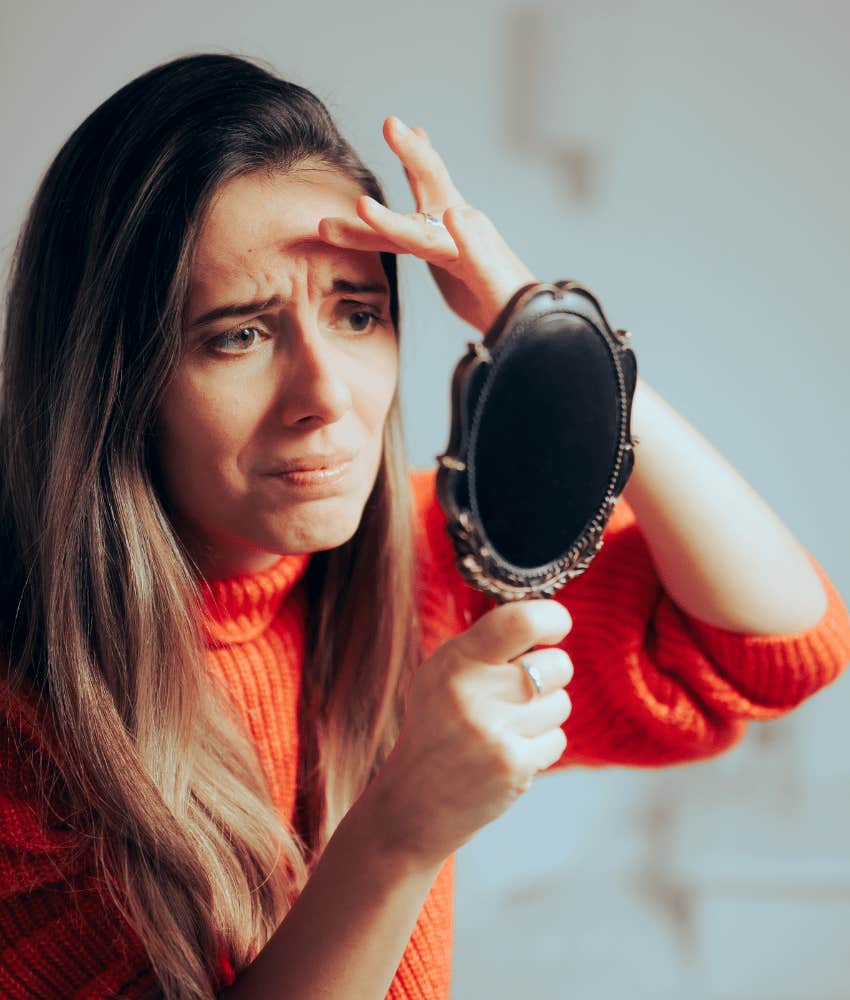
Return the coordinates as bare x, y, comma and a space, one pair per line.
257, 215
320, 262
243, 280
255, 248
302, 277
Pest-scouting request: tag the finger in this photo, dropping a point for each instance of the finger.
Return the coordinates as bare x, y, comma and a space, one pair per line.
505, 632
544, 751
427, 174
420, 132
481, 243
355, 235
542, 714
510, 682
431, 243
554, 665
493, 266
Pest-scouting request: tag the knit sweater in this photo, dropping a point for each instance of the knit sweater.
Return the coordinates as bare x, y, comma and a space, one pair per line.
653, 686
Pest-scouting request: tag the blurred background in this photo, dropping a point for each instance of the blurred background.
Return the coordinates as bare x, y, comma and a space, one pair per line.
690, 163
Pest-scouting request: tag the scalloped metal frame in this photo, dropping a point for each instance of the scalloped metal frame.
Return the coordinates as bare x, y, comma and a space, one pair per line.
479, 564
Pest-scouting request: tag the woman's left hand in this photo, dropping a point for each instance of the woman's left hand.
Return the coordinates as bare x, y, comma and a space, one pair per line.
475, 270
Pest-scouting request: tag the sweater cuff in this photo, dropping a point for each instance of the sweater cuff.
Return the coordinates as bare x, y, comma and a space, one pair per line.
780, 671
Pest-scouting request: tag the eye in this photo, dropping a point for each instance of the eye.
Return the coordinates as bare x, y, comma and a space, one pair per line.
361, 316
241, 338
364, 319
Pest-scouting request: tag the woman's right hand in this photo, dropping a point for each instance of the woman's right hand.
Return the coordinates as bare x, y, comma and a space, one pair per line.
474, 732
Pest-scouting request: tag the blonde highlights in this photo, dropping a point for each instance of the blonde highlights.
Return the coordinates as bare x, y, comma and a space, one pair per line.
100, 603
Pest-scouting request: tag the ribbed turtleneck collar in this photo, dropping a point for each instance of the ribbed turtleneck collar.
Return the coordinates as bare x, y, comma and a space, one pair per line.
238, 608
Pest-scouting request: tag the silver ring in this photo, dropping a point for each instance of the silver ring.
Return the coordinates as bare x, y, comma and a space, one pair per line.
432, 219
534, 674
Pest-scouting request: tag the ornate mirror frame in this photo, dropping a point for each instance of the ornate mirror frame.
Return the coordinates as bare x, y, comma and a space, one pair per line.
531, 307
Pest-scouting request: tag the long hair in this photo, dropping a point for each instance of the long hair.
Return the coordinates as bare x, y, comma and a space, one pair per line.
100, 600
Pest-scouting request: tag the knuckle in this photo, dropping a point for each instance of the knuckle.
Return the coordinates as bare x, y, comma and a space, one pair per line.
558, 656
561, 697
508, 761
521, 783
452, 215
455, 692
433, 236
564, 664
477, 221
462, 700
565, 619
554, 614
462, 213
561, 743
519, 615
546, 615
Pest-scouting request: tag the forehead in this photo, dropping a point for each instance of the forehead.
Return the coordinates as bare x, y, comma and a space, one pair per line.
256, 220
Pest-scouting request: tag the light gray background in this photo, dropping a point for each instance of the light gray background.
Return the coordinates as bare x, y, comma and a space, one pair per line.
689, 162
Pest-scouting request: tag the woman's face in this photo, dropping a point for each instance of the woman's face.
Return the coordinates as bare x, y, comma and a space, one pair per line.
290, 357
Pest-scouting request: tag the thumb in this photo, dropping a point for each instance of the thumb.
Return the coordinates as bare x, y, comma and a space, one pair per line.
511, 629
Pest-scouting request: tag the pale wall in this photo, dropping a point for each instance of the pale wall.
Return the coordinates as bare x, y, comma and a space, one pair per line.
713, 222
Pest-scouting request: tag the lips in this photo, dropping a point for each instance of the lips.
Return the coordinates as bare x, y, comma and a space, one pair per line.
312, 463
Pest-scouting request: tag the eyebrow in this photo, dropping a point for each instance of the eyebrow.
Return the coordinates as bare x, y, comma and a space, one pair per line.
234, 310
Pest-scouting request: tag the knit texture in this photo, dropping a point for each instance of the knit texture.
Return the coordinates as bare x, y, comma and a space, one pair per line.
653, 686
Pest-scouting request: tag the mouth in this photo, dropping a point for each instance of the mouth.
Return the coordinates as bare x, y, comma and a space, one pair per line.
310, 463
324, 478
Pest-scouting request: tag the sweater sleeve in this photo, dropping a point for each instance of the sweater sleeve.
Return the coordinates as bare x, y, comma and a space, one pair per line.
653, 684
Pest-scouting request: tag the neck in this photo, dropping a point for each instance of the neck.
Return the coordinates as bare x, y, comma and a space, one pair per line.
222, 559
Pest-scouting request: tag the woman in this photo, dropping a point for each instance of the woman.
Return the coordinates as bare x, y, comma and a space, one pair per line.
251, 708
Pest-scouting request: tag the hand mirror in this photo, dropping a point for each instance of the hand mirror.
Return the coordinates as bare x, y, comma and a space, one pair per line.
540, 446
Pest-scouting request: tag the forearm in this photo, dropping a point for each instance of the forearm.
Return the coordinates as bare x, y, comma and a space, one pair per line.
346, 933
720, 551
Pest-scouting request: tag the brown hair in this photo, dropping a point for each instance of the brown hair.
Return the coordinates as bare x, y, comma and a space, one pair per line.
100, 601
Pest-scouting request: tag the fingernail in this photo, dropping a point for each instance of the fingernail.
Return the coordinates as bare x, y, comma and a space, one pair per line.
401, 125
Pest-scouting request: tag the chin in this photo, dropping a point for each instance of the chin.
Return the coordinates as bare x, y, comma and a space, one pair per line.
326, 533
324, 541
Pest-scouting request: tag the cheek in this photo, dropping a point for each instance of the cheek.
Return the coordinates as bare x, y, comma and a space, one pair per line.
376, 382
201, 432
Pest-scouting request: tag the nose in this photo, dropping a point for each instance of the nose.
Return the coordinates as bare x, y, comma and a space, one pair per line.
314, 388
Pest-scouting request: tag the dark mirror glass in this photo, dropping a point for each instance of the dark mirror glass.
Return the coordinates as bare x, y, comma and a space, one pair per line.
540, 446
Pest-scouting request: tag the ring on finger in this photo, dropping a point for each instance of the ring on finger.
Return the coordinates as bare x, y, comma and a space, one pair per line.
534, 674
432, 219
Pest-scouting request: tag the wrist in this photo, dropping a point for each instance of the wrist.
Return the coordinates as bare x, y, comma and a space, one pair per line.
370, 822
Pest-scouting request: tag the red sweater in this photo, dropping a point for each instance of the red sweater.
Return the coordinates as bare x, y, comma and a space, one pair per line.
652, 686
